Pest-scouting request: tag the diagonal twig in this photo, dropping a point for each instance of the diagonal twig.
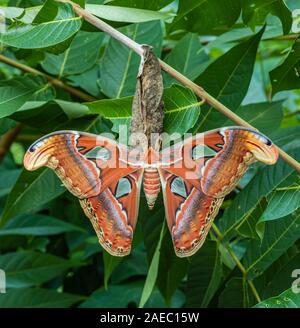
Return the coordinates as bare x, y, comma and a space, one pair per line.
56, 82
8, 138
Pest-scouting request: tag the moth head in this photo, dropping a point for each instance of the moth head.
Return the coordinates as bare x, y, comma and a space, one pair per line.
37, 155
262, 148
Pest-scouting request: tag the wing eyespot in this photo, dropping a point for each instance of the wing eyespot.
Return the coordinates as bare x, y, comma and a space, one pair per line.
269, 143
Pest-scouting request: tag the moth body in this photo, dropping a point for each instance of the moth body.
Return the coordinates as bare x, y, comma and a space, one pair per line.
151, 185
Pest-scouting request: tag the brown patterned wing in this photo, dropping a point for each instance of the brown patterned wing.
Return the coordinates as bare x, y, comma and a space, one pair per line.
77, 158
114, 212
95, 170
214, 162
198, 173
189, 212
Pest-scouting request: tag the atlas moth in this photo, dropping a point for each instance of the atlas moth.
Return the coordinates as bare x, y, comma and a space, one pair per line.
107, 177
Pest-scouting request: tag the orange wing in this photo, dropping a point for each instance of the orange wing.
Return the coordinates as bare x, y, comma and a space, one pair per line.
189, 213
198, 173
95, 170
114, 213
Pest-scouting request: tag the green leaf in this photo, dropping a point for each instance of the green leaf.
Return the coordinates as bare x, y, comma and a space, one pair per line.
236, 294
47, 12
119, 65
43, 35
279, 235
37, 298
48, 115
206, 17
248, 228
266, 116
132, 266
284, 136
36, 225
78, 58
281, 278
282, 203
88, 81
153, 271
27, 268
204, 275
122, 296
7, 180
116, 110
227, 79
6, 124
286, 75
126, 15
143, 4
32, 190
287, 299
187, 57
238, 247
151, 222
81, 3
259, 187
15, 92
30, 14
256, 11
110, 263
172, 269
11, 12
182, 109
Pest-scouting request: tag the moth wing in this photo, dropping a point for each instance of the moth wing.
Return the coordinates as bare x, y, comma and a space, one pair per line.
214, 161
114, 213
189, 213
95, 170
199, 172
81, 160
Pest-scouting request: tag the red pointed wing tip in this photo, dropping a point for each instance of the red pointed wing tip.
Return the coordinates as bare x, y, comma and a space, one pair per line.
262, 148
275, 153
33, 161
26, 161
29, 162
269, 156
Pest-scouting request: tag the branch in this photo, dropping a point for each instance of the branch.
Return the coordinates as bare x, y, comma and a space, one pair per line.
56, 82
200, 92
287, 37
7, 139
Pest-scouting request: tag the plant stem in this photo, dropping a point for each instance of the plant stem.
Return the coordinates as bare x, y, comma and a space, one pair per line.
296, 112
238, 263
101, 25
288, 188
199, 91
7, 139
56, 82
292, 36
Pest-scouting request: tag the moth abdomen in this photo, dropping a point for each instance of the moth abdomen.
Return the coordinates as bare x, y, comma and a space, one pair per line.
151, 185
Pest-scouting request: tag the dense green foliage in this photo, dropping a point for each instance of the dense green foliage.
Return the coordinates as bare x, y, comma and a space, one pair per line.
238, 51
